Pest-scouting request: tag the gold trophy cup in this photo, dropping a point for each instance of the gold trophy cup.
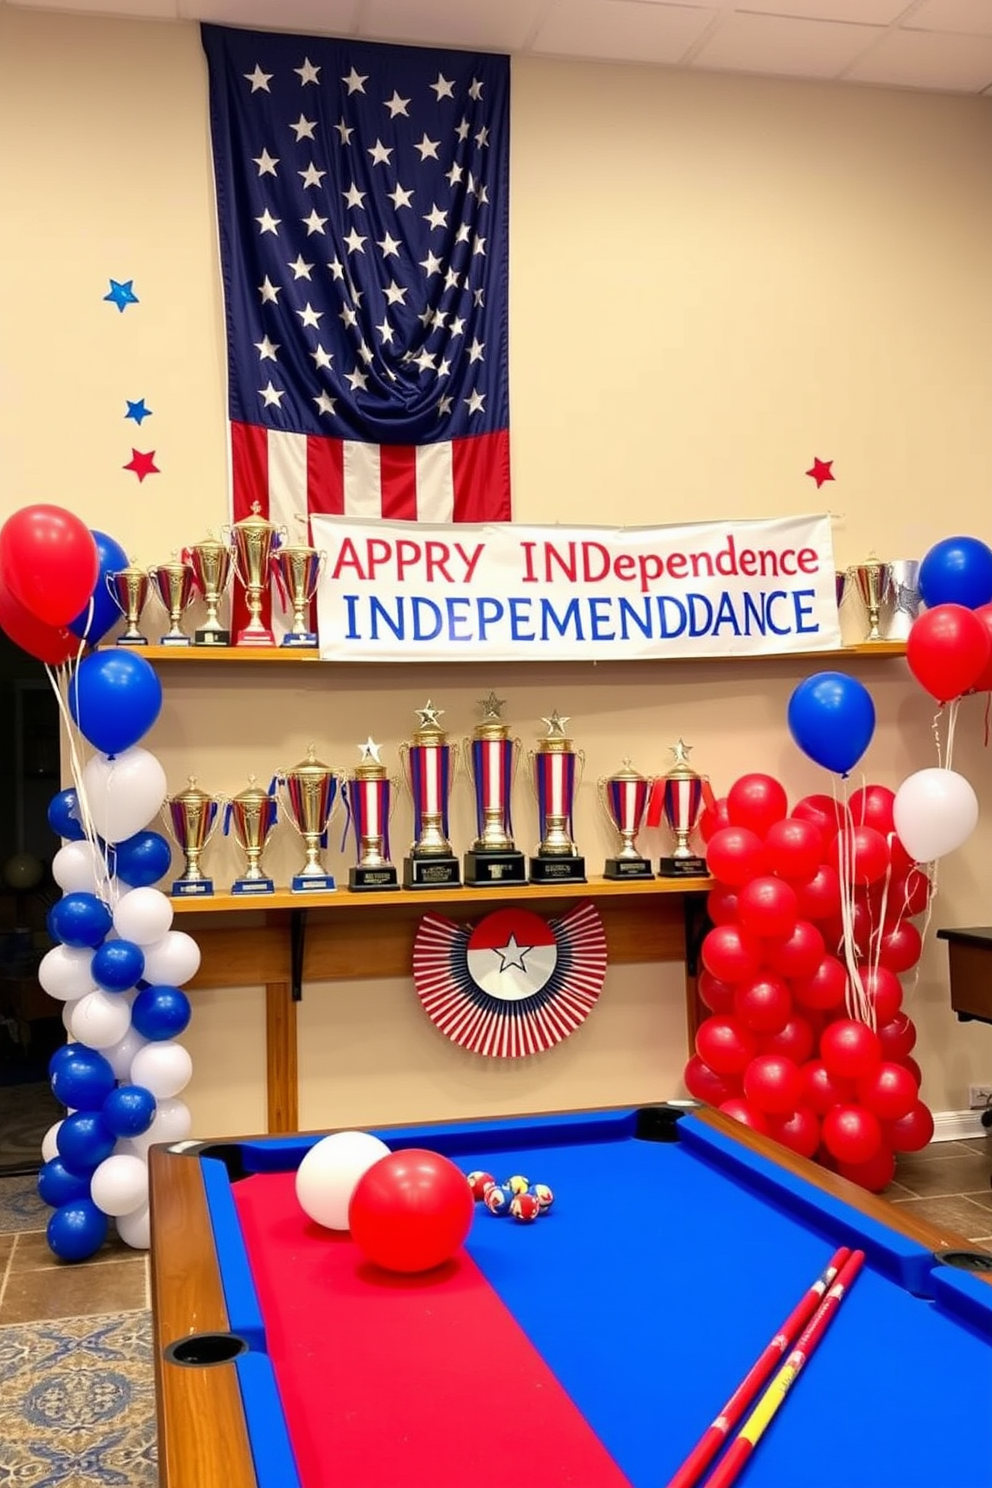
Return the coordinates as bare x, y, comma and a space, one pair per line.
212, 563
251, 815
873, 584
253, 538
173, 584
129, 591
297, 568
682, 803
309, 795
625, 798
192, 818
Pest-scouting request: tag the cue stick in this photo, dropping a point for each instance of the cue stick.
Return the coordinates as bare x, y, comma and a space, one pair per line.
757, 1422
715, 1435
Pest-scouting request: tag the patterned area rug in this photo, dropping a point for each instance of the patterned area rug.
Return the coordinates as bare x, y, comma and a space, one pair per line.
20, 1209
78, 1403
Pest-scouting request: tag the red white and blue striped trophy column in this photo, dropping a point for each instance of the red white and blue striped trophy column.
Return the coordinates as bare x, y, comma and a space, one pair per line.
492, 756
625, 800
682, 798
309, 793
558, 859
368, 798
428, 764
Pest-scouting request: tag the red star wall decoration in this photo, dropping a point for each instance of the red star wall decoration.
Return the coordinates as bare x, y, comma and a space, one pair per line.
821, 471
142, 463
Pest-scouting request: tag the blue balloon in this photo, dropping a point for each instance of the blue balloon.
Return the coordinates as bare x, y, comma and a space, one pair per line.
63, 816
832, 719
84, 1140
142, 860
114, 698
81, 1078
57, 1186
957, 570
79, 920
92, 624
117, 965
160, 1012
77, 1230
129, 1110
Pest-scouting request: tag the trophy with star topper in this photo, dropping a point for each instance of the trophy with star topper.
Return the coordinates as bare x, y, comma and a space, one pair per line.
682, 802
492, 755
428, 765
558, 860
368, 797
625, 798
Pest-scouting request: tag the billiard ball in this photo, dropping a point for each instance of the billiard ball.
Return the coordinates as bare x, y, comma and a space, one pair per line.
480, 1183
518, 1184
525, 1207
498, 1200
543, 1195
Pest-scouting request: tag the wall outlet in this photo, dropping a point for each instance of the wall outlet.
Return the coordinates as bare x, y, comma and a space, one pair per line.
979, 1096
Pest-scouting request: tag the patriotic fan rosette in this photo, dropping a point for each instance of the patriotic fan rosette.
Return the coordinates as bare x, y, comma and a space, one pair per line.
514, 984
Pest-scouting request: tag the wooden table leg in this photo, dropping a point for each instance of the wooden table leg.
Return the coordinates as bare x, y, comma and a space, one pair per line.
281, 1073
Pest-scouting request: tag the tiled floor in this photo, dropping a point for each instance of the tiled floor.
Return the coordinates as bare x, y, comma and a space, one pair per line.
948, 1183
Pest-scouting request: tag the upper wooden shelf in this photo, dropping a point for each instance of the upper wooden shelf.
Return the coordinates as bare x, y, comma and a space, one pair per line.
290, 656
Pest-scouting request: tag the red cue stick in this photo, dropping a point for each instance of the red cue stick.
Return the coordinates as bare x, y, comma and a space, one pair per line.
754, 1427
715, 1435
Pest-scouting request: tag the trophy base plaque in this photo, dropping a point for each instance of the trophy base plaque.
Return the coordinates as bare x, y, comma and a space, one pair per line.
249, 637
300, 638
365, 880
683, 868
190, 888
175, 641
557, 870
313, 883
253, 886
211, 637
132, 641
485, 868
432, 872
617, 868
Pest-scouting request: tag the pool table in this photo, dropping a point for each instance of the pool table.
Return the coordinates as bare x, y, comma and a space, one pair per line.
587, 1349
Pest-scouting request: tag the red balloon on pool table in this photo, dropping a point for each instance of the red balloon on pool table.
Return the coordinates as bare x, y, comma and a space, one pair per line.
411, 1211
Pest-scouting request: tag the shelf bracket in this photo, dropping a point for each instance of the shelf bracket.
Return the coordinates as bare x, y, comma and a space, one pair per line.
297, 944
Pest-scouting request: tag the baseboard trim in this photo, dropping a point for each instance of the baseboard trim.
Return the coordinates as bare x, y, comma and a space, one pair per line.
952, 1126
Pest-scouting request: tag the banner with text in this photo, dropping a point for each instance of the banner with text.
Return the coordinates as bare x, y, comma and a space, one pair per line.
413, 591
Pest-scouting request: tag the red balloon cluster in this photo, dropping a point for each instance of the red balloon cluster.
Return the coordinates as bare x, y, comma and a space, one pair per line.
780, 1050
48, 567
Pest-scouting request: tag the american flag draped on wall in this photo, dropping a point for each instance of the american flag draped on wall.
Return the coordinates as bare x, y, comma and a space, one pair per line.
362, 196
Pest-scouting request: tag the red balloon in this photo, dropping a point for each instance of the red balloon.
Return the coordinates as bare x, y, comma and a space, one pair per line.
908, 1062
983, 683
820, 898
735, 854
714, 818
721, 905
725, 1045
824, 812
860, 853
862, 928
897, 1037
909, 895
411, 1211
821, 1089
851, 1133
826, 988
900, 948
948, 650
767, 907
773, 1084
902, 861
49, 561
884, 991
705, 1084
763, 1003
718, 996
889, 1091
875, 1174
747, 1114
728, 952
912, 1132
795, 848
872, 807
796, 1039
799, 954
49, 643
799, 1131
850, 1050
755, 801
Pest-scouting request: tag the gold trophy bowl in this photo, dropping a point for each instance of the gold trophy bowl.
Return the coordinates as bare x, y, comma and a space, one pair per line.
253, 537
309, 793
872, 582
129, 591
251, 816
298, 568
212, 562
192, 817
624, 797
173, 584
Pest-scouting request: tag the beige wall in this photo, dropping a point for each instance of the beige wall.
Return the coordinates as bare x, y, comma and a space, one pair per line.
712, 280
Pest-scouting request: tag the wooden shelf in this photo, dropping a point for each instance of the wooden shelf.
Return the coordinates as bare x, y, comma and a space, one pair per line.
291, 656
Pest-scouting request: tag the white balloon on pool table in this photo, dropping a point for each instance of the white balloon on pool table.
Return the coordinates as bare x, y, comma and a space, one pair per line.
329, 1173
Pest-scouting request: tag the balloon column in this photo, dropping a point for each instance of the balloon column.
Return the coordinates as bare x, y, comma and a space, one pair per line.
116, 965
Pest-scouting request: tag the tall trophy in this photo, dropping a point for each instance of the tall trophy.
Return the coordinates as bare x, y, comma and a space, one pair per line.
873, 584
192, 817
904, 600
368, 797
428, 765
173, 586
251, 815
493, 756
682, 803
253, 539
129, 591
309, 794
297, 570
211, 562
625, 800
554, 761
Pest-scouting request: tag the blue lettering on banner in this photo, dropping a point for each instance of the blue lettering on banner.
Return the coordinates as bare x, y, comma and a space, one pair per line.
571, 617
378, 611
352, 633
490, 611
519, 618
600, 622
700, 614
803, 611
458, 615
642, 620
775, 629
665, 604
421, 608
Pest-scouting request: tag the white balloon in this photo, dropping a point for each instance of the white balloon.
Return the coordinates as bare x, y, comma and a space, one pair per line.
78, 868
122, 1055
49, 1147
172, 960
65, 972
135, 1229
172, 1123
100, 1020
935, 811
67, 1011
119, 1185
329, 1174
163, 1068
125, 791
143, 916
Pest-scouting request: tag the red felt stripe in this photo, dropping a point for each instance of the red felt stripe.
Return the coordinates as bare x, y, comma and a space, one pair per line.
425, 1381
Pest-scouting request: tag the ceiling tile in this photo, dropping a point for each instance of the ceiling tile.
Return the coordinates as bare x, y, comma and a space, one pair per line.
492, 25
924, 59
319, 17
142, 9
621, 30
864, 12
777, 44
972, 17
